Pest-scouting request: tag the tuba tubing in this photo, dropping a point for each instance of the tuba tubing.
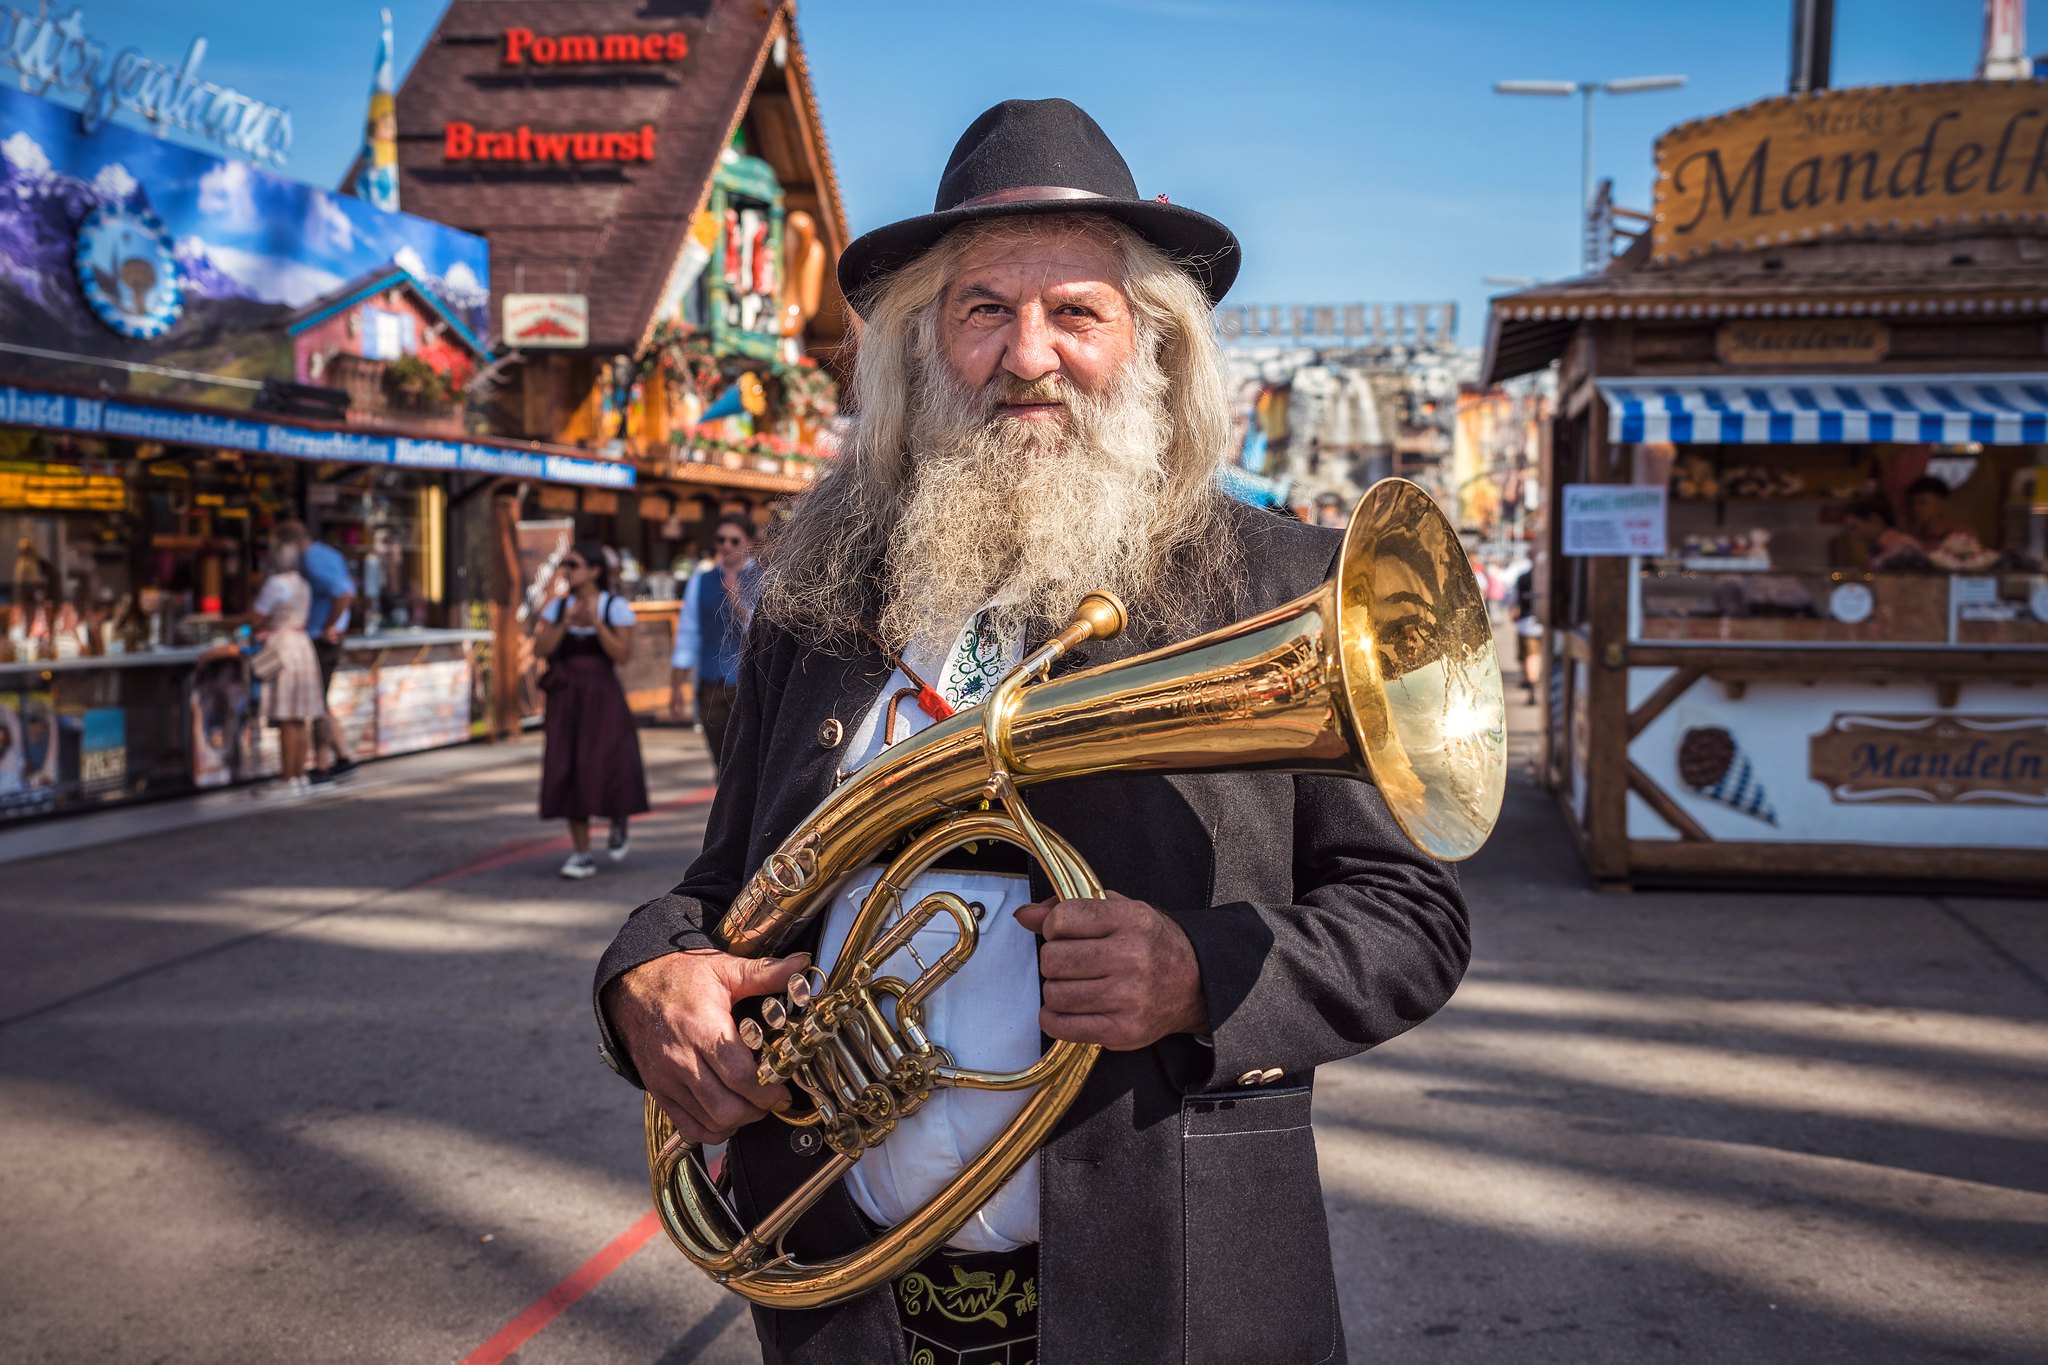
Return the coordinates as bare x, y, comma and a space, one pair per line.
1385, 673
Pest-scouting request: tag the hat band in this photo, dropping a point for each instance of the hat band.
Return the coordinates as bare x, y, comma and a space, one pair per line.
1024, 193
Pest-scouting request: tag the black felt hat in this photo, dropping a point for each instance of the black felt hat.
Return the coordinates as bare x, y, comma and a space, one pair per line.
1041, 156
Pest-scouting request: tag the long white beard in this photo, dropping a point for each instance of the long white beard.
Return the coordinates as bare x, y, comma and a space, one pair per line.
1026, 517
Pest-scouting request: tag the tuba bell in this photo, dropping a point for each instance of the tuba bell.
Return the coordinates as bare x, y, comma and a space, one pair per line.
1386, 673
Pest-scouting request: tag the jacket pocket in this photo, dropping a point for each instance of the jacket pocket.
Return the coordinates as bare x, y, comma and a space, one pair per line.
1259, 1285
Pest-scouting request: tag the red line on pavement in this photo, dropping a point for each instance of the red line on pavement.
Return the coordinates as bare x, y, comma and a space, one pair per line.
550, 1305
592, 1272
519, 850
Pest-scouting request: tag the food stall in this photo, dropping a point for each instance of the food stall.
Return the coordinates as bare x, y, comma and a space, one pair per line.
197, 350
692, 312
1796, 613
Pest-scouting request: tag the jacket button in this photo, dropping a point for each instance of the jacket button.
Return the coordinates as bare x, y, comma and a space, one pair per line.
830, 733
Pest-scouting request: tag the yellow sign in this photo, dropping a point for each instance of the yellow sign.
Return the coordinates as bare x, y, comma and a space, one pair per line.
1892, 157
42, 487
1802, 341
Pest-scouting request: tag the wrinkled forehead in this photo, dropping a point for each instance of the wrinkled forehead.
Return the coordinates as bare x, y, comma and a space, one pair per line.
1039, 253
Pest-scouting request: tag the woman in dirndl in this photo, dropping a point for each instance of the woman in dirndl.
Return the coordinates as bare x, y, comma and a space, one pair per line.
591, 765
292, 696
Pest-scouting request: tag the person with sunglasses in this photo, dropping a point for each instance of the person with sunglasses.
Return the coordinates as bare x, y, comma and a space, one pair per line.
591, 764
717, 607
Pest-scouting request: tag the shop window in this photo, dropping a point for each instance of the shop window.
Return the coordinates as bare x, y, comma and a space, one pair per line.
387, 334
1895, 544
379, 521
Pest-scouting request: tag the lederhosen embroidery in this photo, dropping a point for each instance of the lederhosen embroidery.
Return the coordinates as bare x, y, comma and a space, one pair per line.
971, 1308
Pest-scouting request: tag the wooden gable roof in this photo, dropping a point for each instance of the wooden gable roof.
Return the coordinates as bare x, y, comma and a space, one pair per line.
612, 230
372, 284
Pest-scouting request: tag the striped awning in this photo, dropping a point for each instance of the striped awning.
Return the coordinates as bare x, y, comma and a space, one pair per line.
1992, 409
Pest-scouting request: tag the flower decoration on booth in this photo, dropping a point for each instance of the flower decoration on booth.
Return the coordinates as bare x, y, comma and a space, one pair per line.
683, 357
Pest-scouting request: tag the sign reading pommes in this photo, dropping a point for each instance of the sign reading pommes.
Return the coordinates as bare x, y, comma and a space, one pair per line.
1797, 167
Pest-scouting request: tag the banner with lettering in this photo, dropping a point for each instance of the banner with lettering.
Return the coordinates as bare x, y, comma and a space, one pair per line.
1897, 157
120, 247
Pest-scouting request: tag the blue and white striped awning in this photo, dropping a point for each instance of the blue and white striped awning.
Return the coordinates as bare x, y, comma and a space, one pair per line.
1992, 409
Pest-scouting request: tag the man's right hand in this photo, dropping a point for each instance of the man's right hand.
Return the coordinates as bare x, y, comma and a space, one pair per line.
674, 1016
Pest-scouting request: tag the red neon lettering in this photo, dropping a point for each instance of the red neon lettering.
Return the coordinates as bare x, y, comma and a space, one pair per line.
523, 47
462, 141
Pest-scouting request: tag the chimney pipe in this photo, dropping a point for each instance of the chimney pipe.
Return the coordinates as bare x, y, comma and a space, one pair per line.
1813, 43
2005, 42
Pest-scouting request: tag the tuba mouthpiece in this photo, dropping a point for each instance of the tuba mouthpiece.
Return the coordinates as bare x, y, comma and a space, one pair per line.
1104, 615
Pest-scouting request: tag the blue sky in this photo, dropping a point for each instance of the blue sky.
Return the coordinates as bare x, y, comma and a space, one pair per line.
1354, 145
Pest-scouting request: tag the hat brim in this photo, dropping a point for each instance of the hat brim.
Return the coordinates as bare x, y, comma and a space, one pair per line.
1203, 248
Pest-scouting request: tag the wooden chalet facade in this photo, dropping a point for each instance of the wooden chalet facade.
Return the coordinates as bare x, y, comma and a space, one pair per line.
664, 226
1796, 610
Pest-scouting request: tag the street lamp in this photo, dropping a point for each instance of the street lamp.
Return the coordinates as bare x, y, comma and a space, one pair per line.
1627, 85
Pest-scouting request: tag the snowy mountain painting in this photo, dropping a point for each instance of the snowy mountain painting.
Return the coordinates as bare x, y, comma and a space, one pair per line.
250, 248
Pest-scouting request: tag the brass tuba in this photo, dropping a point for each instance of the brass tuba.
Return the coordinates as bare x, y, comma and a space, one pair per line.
1386, 673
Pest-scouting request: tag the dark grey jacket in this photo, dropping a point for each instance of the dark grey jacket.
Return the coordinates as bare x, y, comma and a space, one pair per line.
1181, 1218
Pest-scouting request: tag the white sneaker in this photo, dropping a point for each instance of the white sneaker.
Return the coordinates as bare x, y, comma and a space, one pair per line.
620, 840
579, 866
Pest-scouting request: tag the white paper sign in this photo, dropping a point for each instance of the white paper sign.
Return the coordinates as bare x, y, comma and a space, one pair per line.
1613, 519
537, 320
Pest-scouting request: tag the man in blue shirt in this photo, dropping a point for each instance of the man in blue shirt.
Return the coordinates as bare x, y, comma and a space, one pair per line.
717, 606
334, 593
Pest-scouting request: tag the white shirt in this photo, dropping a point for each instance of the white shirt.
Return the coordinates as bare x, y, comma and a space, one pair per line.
986, 1015
618, 614
688, 645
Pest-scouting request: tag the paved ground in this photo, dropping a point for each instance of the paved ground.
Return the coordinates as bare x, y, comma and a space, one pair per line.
316, 1082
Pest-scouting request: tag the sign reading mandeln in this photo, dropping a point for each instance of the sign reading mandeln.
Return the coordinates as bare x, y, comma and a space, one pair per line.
1935, 760
1802, 341
1899, 157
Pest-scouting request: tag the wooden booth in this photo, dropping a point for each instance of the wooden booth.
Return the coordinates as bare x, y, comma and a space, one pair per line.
1796, 614
664, 223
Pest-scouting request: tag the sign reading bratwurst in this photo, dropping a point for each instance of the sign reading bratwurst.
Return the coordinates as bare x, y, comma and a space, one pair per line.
1904, 157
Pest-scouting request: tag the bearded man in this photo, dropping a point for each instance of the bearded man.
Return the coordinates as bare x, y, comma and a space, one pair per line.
1040, 411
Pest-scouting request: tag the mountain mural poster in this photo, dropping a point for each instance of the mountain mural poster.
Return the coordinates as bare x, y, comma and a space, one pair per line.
117, 246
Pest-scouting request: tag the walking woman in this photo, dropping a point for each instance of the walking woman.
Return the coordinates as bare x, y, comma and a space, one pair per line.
591, 765
292, 695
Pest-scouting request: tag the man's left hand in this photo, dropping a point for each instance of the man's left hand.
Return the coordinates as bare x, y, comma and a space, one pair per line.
330, 636
1115, 972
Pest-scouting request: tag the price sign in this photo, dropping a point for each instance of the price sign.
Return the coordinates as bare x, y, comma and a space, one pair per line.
1613, 519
